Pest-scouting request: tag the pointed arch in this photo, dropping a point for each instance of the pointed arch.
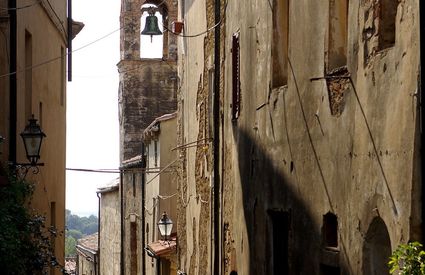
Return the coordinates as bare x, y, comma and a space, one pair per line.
376, 248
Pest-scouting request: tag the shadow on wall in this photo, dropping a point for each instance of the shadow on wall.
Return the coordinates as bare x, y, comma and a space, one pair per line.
281, 234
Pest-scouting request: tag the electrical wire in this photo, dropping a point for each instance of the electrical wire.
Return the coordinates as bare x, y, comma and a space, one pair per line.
59, 57
201, 33
22, 7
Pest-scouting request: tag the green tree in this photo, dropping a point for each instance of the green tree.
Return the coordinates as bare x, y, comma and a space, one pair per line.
408, 259
25, 241
74, 234
70, 244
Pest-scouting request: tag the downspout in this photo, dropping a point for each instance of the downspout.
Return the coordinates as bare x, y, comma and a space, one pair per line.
122, 223
421, 89
12, 82
143, 207
216, 136
69, 40
98, 233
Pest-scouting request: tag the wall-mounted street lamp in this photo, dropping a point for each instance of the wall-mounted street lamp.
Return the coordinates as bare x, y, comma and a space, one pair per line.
165, 225
32, 136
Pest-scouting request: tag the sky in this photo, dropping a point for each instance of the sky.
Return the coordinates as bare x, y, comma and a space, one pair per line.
92, 101
92, 104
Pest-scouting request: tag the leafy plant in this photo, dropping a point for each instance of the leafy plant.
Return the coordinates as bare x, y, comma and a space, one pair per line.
26, 245
408, 259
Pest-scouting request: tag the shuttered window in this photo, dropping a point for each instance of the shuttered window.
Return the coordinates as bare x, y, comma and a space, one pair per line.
236, 84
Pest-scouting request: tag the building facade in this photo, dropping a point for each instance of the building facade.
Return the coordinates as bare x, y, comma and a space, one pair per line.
88, 255
147, 90
160, 139
147, 87
305, 117
33, 51
109, 228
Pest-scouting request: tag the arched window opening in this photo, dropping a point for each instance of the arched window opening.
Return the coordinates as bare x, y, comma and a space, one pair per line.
151, 46
387, 20
338, 34
376, 248
330, 230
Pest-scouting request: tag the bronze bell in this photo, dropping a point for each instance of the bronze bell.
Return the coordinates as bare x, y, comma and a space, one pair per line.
151, 26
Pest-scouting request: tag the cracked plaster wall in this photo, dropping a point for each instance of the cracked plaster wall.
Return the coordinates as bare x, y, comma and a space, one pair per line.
289, 152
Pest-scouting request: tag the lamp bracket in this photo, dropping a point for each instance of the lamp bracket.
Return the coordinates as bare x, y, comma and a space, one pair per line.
22, 169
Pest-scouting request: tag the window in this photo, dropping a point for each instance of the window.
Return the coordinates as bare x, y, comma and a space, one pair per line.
388, 13
28, 75
156, 153
236, 83
338, 34
329, 270
280, 43
63, 75
330, 230
280, 242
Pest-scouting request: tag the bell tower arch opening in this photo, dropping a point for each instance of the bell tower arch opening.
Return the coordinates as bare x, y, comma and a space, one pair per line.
152, 35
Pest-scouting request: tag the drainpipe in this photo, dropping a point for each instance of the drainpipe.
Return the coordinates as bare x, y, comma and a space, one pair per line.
216, 136
143, 208
98, 233
12, 82
122, 223
69, 40
422, 88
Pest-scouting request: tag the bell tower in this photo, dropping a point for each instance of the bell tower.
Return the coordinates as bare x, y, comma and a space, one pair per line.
147, 86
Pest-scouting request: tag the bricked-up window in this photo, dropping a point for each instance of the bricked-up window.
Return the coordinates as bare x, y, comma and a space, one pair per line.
236, 75
280, 43
330, 230
387, 21
338, 33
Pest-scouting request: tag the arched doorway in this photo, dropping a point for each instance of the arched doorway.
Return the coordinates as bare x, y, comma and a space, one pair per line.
376, 248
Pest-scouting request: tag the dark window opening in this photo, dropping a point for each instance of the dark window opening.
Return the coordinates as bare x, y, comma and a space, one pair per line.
280, 43
236, 83
156, 153
330, 230
133, 248
338, 34
280, 242
233, 273
329, 270
388, 13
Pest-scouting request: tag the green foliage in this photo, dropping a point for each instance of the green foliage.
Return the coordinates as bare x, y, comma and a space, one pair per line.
70, 243
74, 234
85, 225
25, 241
77, 227
408, 259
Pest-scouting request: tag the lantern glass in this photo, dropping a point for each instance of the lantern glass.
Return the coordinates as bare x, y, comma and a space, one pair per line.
165, 225
32, 137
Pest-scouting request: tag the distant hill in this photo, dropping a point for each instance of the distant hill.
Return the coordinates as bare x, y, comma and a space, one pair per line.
76, 228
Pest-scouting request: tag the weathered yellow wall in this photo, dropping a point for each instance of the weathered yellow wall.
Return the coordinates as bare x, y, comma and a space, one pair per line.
288, 152
48, 81
110, 233
161, 190
4, 81
86, 267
